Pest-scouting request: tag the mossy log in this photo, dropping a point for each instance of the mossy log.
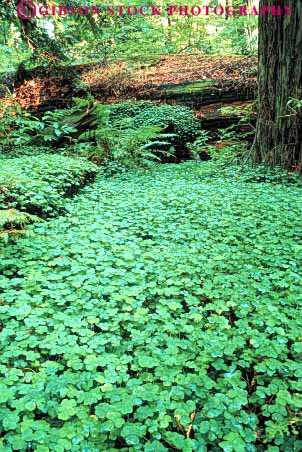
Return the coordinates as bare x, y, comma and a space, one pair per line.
42, 89
223, 114
204, 92
42, 94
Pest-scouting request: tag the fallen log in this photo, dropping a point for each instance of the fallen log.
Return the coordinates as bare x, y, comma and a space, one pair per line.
189, 80
199, 93
223, 114
42, 94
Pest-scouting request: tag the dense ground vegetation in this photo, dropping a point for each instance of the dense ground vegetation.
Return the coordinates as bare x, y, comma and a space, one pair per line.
36, 187
39, 184
126, 132
160, 313
158, 309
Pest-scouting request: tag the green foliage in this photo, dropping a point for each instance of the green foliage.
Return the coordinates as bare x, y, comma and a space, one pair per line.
200, 149
121, 142
245, 113
25, 150
161, 313
236, 35
136, 39
235, 140
294, 106
12, 223
55, 128
17, 128
12, 50
102, 141
271, 175
172, 119
38, 184
133, 38
22, 133
230, 149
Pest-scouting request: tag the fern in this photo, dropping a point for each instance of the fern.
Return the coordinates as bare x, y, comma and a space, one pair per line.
123, 142
13, 222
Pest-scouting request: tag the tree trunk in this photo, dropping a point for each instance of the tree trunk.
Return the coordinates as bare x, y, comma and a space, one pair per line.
278, 138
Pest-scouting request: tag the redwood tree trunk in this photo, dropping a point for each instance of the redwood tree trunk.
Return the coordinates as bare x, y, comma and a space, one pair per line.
279, 126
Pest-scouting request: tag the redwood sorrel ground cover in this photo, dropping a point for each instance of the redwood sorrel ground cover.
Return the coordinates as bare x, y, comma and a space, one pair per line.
161, 312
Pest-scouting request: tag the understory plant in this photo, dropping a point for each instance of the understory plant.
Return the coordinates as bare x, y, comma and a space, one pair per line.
17, 127
39, 184
201, 149
230, 148
87, 130
162, 313
35, 187
131, 133
122, 142
177, 120
235, 140
22, 133
274, 175
13, 223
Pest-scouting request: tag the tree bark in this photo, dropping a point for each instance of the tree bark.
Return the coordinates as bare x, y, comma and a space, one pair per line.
278, 138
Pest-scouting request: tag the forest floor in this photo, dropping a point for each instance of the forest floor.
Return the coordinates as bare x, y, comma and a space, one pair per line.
162, 308
171, 70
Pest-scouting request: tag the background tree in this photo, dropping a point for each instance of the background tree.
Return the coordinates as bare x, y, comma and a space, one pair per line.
279, 126
83, 39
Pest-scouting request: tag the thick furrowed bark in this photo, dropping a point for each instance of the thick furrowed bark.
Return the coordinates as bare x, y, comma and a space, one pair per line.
279, 127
